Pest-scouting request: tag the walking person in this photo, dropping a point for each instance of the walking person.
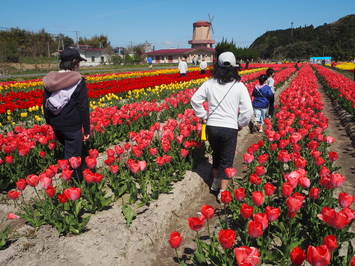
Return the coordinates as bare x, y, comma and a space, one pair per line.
182, 66
262, 94
229, 110
150, 62
66, 104
270, 82
203, 66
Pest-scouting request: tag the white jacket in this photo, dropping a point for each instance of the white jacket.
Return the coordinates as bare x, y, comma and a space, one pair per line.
235, 111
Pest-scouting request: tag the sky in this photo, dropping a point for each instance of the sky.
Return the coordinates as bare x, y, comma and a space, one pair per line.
169, 24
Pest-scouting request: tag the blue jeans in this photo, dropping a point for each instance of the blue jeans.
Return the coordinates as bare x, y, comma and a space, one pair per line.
259, 114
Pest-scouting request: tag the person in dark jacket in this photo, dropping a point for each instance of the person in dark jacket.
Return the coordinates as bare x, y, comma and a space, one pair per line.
262, 94
66, 103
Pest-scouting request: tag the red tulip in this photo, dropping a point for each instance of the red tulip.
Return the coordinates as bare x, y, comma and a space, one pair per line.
207, 211
160, 161
248, 158
283, 156
67, 174
269, 189
230, 172
337, 180
258, 198
260, 170
314, 193
345, 200
329, 139
167, 158
263, 158
63, 164
248, 255
94, 153
297, 256
225, 197
114, 169
333, 156
50, 191
45, 182
293, 204
142, 165
272, 213
324, 181
246, 211
90, 162
9, 159
254, 179
175, 239
196, 223
318, 256
255, 229
110, 160
352, 262
62, 198
13, 194
32, 180
75, 162
331, 242
273, 147
153, 151
286, 189
12, 216
184, 153
338, 220
42, 154
239, 194
261, 218
304, 182
21, 184
72, 193
226, 238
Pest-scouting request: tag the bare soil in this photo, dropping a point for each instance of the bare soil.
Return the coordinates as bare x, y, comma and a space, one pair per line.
108, 241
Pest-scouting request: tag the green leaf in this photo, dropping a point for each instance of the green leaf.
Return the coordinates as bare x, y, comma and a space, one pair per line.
129, 214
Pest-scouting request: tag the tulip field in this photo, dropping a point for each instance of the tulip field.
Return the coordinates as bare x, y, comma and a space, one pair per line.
145, 137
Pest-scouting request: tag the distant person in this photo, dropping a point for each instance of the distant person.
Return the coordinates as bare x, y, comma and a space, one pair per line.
270, 82
66, 104
247, 64
262, 94
229, 110
182, 66
203, 66
150, 62
297, 67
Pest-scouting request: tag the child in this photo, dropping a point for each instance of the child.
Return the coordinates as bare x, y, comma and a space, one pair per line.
262, 94
270, 82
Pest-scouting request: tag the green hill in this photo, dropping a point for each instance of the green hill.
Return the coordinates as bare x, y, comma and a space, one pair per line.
336, 39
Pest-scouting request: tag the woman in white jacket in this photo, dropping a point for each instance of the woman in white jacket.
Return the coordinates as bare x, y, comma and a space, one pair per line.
229, 109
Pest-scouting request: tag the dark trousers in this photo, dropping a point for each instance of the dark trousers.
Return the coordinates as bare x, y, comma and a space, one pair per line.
271, 106
223, 142
72, 142
73, 145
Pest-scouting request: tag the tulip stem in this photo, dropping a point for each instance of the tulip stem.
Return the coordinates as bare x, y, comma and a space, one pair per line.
177, 255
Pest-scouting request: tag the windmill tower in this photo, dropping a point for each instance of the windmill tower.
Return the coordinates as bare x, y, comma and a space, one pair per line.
201, 35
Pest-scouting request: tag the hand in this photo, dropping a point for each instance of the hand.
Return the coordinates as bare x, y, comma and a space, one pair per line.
86, 137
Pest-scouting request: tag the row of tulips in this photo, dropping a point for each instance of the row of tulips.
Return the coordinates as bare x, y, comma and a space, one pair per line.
19, 103
143, 168
29, 150
141, 179
285, 211
338, 88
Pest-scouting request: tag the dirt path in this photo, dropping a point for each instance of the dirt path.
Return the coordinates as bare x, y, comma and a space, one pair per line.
109, 242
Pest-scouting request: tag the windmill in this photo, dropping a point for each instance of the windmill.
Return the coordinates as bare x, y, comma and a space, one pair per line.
210, 29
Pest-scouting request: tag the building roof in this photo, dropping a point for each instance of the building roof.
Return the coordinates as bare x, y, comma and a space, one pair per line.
179, 51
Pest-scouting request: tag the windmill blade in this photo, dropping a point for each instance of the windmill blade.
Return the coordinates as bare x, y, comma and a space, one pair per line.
211, 20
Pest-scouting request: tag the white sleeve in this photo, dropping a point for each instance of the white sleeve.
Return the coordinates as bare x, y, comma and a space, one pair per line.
197, 101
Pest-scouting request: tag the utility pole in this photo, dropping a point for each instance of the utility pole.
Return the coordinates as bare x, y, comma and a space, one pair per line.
291, 29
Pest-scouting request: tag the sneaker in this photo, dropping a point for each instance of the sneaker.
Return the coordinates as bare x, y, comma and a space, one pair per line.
261, 130
216, 185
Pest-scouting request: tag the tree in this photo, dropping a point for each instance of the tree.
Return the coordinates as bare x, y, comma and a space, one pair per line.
96, 41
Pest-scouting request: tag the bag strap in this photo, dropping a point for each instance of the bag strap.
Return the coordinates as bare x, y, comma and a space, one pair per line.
221, 100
